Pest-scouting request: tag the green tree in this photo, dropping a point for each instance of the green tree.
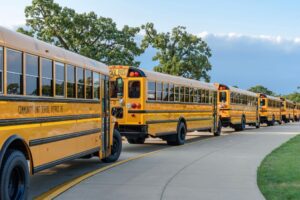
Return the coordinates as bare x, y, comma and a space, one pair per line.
261, 89
179, 52
86, 33
295, 96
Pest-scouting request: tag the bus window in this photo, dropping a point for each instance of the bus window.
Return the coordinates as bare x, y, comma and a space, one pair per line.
171, 86
199, 96
191, 95
96, 81
71, 86
262, 102
176, 93
165, 92
32, 75
59, 79
14, 72
134, 89
116, 88
159, 91
47, 77
187, 95
151, 91
89, 84
80, 83
223, 97
181, 94
1, 69
196, 95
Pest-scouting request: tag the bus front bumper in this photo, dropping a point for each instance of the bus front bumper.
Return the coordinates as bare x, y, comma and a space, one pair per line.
226, 121
263, 119
133, 131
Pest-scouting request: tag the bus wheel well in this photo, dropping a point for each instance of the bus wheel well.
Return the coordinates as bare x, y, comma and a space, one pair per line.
16, 143
20, 146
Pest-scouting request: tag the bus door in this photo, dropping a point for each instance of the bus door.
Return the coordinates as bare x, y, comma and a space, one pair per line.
215, 111
258, 109
105, 127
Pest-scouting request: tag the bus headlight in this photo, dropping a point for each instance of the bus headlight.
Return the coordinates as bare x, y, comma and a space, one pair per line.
121, 101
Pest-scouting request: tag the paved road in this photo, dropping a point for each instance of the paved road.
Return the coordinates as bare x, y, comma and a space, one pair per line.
216, 168
48, 179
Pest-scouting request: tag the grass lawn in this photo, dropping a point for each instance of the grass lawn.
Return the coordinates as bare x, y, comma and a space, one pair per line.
278, 176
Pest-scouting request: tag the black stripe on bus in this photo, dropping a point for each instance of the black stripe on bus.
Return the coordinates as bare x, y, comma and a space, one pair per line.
47, 99
62, 137
189, 130
57, 162
34, 120
177, 102
176, 120
169, 111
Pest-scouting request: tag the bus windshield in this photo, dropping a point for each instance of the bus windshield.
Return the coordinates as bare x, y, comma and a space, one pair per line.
134, 88
223, 97
116, 88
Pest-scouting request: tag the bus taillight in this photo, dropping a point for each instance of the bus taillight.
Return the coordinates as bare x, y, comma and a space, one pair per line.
135, 105
134, 74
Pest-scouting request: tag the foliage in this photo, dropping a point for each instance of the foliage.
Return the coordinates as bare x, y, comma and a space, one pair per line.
179, 52
86, 33
279, 174
293, 97
261, 89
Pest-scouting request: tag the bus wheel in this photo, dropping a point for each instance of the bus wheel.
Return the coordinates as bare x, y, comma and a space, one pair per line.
179, 138
273, 121
14, 181
116, 148
136, 140
219, 129
257, 125
242, 126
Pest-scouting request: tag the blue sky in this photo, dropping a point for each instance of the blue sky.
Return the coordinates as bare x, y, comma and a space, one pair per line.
253, 42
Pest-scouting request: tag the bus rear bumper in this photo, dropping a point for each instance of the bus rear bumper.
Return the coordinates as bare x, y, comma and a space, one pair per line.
263, 119
133, 131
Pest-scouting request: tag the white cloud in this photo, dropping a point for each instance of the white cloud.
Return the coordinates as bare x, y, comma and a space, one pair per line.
260, 38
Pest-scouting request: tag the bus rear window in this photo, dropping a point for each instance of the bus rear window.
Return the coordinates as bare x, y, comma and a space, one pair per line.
116, 88
262, 102
223, 97
134, 89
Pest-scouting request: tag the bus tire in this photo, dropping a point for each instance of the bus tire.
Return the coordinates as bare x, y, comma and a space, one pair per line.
136, 140
14, 181
241, 126
116, 148
273, 120
179, 138
219, 129
257, 125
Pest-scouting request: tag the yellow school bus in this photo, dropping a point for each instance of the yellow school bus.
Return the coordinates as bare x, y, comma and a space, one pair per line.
151, 104
287, 110
269, 109
54, 108
237, 107
297, 112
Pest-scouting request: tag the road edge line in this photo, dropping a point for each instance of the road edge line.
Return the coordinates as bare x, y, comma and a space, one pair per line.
57, 190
